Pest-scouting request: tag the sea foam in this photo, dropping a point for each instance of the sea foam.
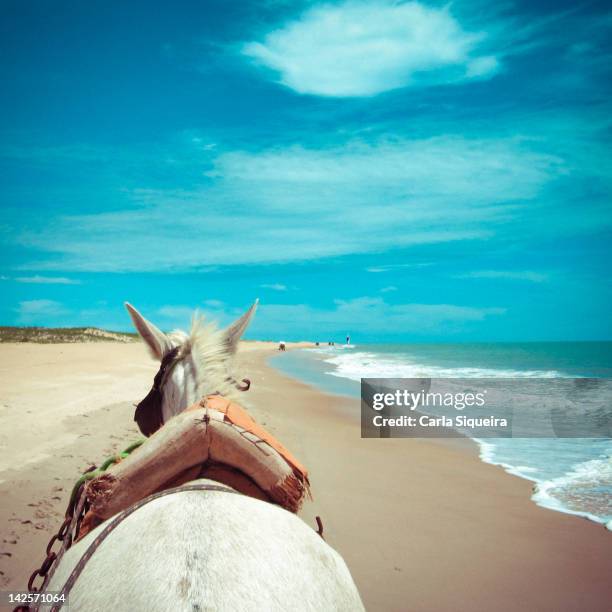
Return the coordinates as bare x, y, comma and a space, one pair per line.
358, 365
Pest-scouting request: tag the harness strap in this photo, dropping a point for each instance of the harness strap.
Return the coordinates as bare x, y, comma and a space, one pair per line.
78, 568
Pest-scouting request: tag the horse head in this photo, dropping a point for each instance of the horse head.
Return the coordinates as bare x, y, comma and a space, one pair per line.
191, 365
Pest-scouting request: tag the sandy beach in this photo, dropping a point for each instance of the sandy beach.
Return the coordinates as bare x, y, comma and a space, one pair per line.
422, 524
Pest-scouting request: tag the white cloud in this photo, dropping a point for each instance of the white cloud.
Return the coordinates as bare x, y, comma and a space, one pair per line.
521, 275
367, 315
359, 316
274, 287
47, 280
179, 316
296, 204
442, 166
213, 303
39, 311
176, 313
483, 67
391, 267
171, 317
362, 49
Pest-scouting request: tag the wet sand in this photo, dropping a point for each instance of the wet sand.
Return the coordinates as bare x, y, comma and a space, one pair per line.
422, 524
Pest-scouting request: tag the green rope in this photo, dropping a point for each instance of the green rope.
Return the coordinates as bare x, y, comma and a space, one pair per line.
99, 471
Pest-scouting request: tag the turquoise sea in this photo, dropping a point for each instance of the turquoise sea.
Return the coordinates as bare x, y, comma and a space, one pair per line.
572, 475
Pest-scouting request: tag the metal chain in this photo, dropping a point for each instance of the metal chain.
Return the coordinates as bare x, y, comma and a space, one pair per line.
74, 514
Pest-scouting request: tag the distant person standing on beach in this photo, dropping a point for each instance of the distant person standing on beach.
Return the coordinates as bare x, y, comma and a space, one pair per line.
348, 339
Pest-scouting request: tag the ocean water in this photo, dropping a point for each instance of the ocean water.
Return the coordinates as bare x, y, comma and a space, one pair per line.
572, 475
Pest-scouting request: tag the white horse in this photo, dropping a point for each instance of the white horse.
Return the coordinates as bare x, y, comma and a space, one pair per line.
206, 549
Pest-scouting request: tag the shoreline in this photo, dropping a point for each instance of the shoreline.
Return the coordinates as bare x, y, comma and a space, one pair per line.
321, 379
539, 495
422, 524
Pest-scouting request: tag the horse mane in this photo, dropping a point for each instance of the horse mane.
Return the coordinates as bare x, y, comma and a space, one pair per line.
211, 356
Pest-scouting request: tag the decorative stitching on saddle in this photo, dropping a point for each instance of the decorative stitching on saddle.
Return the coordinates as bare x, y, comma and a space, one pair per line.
253, 442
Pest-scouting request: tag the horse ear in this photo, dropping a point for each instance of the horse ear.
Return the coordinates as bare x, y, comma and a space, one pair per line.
234, 332
155, 339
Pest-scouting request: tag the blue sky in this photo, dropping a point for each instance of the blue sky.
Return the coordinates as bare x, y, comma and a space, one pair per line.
395, 170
